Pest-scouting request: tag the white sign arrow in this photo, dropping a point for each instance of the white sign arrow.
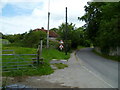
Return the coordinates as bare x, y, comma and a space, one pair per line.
61, 47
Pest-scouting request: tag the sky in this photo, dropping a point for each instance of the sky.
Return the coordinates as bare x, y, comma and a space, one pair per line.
19, 16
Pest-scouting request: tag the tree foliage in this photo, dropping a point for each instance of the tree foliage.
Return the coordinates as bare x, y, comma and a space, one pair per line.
30, 39
73, 36
102, 24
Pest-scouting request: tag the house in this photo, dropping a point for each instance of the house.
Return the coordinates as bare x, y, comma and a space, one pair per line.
52, 34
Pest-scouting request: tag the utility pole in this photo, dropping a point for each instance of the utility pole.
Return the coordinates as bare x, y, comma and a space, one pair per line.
48, 30
48, 24
66, 33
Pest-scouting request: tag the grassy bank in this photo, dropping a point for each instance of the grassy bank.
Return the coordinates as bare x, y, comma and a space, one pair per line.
51, 53
47, 54
44, 69
114, 58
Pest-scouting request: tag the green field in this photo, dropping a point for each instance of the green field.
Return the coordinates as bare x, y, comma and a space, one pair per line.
42, 69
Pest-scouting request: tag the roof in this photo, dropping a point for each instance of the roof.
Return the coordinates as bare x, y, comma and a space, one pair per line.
51, 33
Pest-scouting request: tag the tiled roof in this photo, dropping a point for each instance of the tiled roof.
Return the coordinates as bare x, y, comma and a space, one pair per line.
51, 33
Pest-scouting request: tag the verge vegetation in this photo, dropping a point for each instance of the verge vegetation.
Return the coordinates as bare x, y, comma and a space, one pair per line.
114, 58
42, 69
60, 65
102, 25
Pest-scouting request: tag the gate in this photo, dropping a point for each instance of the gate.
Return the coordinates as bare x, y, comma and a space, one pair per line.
14, 61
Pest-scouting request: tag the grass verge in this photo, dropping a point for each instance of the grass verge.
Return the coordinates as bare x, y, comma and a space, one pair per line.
114, 58
60, 65
51, 53
42, 69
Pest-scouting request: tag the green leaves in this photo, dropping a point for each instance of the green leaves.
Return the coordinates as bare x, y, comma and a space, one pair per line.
33, 38
102, 23
75, 36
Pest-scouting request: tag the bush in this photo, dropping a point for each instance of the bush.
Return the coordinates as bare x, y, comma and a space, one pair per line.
5, 42
54, 44
32, 39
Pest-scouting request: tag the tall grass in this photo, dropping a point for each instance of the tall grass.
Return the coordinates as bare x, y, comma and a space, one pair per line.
51, 53
42, 69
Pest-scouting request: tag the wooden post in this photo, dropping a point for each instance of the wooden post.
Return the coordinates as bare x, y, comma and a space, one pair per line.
39, 52
38, 55
41, 48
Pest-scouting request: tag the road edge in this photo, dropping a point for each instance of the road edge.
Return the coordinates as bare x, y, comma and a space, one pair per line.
82, 65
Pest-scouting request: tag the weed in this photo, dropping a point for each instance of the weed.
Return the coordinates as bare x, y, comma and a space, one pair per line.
60, 65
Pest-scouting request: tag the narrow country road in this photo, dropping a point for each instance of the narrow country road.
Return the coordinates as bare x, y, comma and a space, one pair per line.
106, 70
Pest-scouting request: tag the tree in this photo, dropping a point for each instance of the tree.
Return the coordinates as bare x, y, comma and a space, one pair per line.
92, 18
62, 30
75, 36
102, 24
10, 38
54, 29
32, 39
109, 27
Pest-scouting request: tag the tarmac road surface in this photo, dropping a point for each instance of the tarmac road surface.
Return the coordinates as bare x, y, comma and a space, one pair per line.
106, 70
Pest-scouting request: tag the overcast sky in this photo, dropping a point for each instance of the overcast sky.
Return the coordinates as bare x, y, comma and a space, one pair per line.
19, 16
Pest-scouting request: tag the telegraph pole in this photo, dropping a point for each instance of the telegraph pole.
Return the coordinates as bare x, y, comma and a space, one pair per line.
48, 24
48, 30
66, 33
